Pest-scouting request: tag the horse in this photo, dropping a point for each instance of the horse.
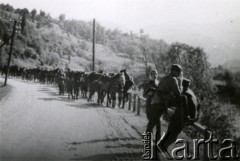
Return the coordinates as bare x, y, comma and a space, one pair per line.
83, 84
123, 96
115, 85
102, 81
92, 84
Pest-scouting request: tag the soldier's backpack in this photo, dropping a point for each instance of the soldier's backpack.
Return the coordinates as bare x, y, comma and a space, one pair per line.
193, 105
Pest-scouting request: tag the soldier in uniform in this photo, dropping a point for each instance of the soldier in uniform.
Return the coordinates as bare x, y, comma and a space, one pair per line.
185, 113
61, 83
168, 91
149, 91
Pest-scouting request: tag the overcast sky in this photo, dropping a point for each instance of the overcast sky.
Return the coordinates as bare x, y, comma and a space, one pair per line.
135, 14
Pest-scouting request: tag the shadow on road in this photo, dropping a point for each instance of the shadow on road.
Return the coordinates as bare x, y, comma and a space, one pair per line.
53, 95
103, 140
77, 103
113, 156
87, 105
122, 143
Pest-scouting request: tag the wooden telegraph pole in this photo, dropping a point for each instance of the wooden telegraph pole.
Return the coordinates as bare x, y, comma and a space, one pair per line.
11, 47
93, 47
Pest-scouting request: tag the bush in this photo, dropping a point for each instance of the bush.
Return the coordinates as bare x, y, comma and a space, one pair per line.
30, 53
52, 59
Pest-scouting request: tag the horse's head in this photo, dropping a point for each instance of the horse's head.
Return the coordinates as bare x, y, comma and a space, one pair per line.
129, 84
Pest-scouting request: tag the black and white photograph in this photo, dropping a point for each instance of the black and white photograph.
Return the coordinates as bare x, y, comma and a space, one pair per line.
106, 80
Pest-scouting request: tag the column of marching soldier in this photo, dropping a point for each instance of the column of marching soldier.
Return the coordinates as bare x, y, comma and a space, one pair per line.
110, 85
171, 91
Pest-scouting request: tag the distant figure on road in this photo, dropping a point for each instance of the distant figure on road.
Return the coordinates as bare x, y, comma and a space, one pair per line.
61, 81
149, 91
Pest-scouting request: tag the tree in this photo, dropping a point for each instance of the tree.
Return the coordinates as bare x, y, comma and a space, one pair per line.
195, 66
23, 22
4, 36
159, 55
33, 14
145, 52
3, 56
62, 17
24, 11
7, 7
141, 32
100, 34
42, 13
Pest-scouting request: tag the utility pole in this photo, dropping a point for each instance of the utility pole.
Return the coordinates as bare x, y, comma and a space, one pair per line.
15, 28
93, 47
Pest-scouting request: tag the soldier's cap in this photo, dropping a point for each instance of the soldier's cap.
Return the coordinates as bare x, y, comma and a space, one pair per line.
153, 71
123, 70
176, 67
186, 82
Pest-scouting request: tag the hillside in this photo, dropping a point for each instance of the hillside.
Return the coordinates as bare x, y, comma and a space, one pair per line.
50, 43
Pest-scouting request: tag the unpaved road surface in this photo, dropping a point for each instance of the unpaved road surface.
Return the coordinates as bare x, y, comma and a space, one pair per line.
37, 123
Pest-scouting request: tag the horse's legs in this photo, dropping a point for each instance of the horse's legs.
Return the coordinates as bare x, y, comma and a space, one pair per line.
108, 99
72, 94
103, 96
77, 92
59, 88
113, 97
126, 96
68, 91
90, 96
99, 96
119, 99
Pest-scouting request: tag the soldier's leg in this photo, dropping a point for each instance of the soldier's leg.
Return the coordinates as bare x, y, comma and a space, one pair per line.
155, 113
113, 97
173, 131
151, 115
176, 123
119, 99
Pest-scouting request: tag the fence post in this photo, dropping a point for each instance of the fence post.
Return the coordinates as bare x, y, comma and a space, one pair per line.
123, 101
134, 102
130, 101
139, 105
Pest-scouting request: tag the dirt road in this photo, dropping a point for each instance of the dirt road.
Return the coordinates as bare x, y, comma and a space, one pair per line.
36, 123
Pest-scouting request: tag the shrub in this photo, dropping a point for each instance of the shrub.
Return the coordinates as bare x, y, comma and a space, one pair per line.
30, 53
52, 59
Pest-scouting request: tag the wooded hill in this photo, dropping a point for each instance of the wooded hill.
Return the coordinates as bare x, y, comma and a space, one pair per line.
51, 43
48, 42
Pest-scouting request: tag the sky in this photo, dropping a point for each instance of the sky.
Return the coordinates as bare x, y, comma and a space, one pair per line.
135, 14
170, 20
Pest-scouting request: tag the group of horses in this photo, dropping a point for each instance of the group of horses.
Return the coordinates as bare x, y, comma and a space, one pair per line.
107, 86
